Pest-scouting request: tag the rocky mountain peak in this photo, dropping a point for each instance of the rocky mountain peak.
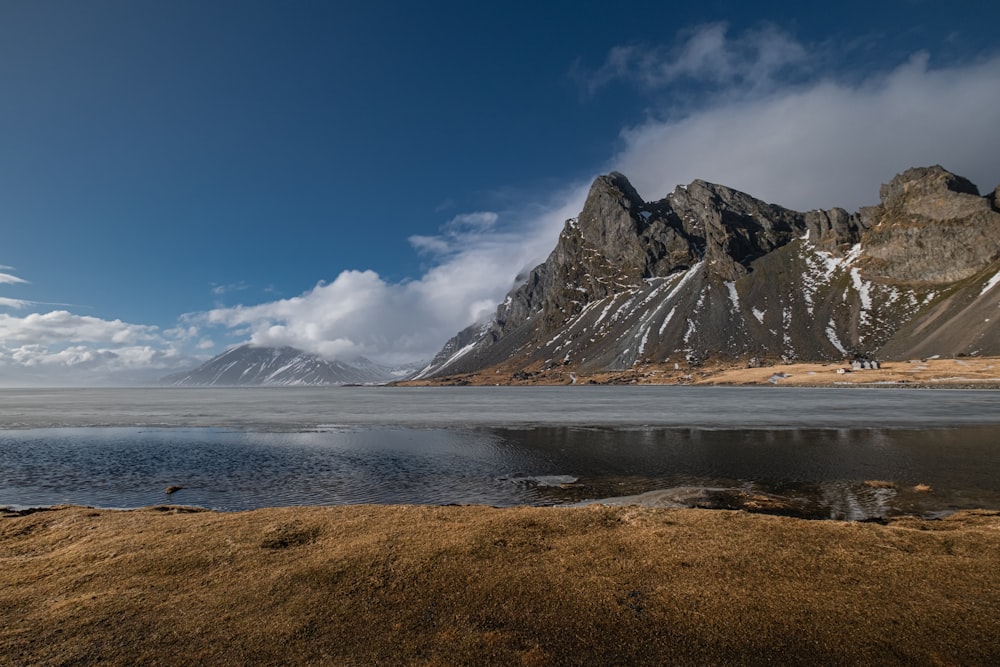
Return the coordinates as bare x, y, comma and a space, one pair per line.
932, 192
612, 219
731, 228
930, 227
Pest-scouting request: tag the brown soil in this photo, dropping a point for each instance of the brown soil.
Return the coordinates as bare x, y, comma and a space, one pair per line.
966, 372
476, 585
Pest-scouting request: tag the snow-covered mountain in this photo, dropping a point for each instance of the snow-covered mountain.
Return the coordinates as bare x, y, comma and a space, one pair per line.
282, 366
710, 273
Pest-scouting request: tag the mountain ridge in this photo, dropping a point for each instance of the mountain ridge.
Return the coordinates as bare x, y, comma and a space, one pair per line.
249, 365
711, 272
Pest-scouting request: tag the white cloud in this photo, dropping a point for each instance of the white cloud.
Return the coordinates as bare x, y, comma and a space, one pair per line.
85, 357
360, 314
60, 326
830, 143
17, 304
8, 279
6, 302
88, 365
458, 233
434, 245
61, 348
480, 221
11, 279
705, 55
220, 290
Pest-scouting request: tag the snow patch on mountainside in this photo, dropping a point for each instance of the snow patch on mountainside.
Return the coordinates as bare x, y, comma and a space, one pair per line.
990, 284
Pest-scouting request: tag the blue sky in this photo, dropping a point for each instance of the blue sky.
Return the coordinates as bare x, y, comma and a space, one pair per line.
366, 178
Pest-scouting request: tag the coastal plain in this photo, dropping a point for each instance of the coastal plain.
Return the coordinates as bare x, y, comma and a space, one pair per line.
426, 585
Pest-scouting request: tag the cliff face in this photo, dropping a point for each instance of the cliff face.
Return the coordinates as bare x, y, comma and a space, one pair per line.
710, 272
932, 227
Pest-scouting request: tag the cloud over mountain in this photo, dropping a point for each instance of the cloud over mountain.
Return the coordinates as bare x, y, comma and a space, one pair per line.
827, 143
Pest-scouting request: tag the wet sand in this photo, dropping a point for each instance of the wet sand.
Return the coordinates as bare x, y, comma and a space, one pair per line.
476, 585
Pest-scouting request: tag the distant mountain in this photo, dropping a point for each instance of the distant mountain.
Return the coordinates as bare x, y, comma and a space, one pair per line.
710, 273
282, 366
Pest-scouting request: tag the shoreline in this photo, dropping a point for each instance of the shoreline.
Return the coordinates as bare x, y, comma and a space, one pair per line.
887, 501
476, 585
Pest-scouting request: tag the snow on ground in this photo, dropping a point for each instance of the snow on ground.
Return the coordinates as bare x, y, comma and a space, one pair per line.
462, 352
642, 344
831, 335
853, 255
863, 288
618, 313
667, 319
600, 318
691, 328
733, 296
692, 325
786, 325
990, 284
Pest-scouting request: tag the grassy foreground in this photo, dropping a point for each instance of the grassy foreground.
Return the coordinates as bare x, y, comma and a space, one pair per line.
478, 585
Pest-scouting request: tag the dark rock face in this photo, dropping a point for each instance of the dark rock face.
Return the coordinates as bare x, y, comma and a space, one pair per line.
278, 366
710, 272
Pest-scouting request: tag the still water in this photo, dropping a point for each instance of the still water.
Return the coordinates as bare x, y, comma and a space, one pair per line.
853, 454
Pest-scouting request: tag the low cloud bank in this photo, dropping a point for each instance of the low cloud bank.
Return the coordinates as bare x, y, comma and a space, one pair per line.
60, 348
829, 144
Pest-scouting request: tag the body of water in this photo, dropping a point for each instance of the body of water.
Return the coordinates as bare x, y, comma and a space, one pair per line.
825, 453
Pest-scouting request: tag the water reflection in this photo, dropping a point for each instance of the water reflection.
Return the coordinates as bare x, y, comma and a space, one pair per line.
851, 474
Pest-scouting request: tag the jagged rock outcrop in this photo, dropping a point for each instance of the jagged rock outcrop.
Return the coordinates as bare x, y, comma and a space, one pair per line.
247, 365
711, 272
933, 227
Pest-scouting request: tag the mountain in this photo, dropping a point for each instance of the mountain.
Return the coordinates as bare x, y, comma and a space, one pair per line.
282, 366
711, 273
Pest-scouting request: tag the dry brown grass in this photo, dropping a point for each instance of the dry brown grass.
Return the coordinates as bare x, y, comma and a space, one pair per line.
975, 372
477, 585
965, 372
922, 488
